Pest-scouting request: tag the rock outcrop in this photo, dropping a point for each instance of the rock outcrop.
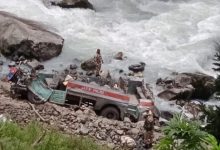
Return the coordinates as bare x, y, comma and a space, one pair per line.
72, 3
89, 65
21, 37
187, 86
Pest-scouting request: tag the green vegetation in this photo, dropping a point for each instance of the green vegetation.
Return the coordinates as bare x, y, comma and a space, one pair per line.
213, 120
182, 134
34, 137
211, 140
217, 69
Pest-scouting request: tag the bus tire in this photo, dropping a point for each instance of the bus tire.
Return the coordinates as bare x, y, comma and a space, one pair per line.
111, 113
33, 98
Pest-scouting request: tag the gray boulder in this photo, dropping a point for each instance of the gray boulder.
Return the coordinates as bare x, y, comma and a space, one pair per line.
21, 37
119, 56
88, 65
187, 86
72, 3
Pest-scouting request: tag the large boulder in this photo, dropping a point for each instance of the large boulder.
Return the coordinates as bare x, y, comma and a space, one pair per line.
21, 37
187, 86
89, 65
72, 3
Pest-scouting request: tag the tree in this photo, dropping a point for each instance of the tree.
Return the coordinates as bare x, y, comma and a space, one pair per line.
217, 69
182, 134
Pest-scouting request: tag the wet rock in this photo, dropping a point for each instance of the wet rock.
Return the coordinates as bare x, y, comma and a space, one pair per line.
88, 65
177, 93
35, 65
28, 39
186, 86
71, 3
119, 56
1, 62
121, 71
137, 67
73, 66
89, 73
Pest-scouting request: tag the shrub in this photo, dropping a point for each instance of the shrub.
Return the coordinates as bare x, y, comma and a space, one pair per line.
182, 134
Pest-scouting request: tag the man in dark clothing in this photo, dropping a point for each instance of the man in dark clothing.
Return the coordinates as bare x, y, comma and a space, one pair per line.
149, 129
98, 61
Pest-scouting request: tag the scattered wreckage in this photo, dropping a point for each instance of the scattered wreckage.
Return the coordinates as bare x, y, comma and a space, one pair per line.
41, 87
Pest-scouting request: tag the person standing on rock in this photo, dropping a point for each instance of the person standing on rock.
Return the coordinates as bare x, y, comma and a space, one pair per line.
149, 129
98, 62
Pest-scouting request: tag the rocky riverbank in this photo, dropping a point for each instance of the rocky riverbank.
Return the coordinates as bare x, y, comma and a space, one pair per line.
80, 121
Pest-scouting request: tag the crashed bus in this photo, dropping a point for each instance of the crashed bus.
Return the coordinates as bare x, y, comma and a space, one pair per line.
105, 102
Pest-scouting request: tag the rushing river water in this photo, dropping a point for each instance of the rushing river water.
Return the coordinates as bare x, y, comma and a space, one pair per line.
168, 35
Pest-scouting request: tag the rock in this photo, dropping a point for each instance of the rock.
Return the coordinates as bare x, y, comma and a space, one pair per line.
21, 37
2, 118
140, 124
120, 132
187, 86
128, 142
127, 120
21, 58
137, 67
71, 3
1, 62
157, 129
176, 93
83, 130
111, 145
100, 136
83, 119
204, 85
133, 131
73, 66
121, 71
88, 65
5, 86
89, 73
119, 56
79, 112
35, 65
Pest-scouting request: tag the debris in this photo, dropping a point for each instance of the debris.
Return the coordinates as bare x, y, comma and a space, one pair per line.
128, 142
33, 108
3, 118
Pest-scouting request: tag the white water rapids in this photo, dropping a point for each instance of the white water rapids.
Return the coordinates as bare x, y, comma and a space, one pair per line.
168, 35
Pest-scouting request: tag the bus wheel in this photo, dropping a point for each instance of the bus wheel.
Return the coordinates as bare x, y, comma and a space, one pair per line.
111, 113
33, 98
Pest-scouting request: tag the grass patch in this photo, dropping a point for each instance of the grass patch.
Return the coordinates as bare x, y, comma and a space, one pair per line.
34, 137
